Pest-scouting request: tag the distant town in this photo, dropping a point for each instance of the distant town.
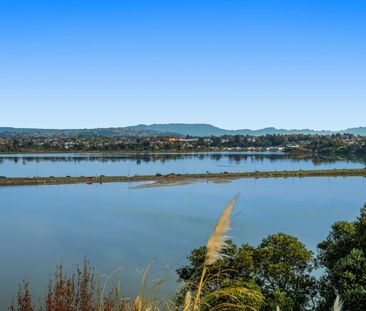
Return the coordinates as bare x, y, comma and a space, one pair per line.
337, 144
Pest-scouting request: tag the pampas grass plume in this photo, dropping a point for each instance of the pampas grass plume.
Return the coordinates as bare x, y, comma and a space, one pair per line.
215, 245
338, 304
187, 301
217, 241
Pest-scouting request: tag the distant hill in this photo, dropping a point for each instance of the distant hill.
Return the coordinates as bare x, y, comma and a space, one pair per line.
356, 131
172, 129
210, 130
272, 130
97, 132
182, 128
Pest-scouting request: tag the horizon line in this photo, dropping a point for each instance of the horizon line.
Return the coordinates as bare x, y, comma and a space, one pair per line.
182, 123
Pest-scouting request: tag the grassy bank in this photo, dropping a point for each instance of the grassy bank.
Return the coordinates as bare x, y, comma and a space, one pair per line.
179, 178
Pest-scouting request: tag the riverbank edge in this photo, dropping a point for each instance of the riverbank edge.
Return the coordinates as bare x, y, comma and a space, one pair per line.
162, 151
177, 178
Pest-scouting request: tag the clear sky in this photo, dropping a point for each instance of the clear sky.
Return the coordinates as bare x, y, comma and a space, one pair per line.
234, 64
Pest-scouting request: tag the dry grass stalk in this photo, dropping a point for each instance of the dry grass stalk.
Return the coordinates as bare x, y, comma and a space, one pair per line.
187, 301
217, 241
137, 304
338, 304
235, 294
215, 245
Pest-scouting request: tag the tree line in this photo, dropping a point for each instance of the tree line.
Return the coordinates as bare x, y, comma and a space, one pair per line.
337, 144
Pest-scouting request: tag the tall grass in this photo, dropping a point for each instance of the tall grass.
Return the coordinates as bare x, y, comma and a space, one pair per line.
83, 291
338, 304
215, 244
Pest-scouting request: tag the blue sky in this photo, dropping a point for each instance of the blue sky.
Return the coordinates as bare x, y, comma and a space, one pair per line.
235, 64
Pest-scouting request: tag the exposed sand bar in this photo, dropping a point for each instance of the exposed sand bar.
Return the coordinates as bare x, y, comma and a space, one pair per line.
179, 178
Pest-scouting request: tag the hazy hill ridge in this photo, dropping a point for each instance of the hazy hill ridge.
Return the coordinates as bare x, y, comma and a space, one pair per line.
171, 129
210, 130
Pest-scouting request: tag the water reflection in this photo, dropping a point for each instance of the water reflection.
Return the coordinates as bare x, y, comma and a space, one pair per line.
164, 157
23, 165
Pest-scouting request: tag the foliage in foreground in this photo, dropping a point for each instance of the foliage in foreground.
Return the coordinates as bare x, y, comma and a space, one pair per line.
82, 291
222, 276
343, 255
280, 268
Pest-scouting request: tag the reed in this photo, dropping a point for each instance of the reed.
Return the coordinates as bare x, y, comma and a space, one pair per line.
187, 302
215, 245
338, 304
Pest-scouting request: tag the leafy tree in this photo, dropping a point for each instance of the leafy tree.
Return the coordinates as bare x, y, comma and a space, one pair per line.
235, 271
343, 255
283, 266
238, 264
280, 267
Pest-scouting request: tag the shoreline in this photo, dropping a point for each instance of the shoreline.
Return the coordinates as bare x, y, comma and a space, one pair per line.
260, 150
171, 179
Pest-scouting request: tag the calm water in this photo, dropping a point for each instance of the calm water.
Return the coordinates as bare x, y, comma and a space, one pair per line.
142, 164
113, 225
